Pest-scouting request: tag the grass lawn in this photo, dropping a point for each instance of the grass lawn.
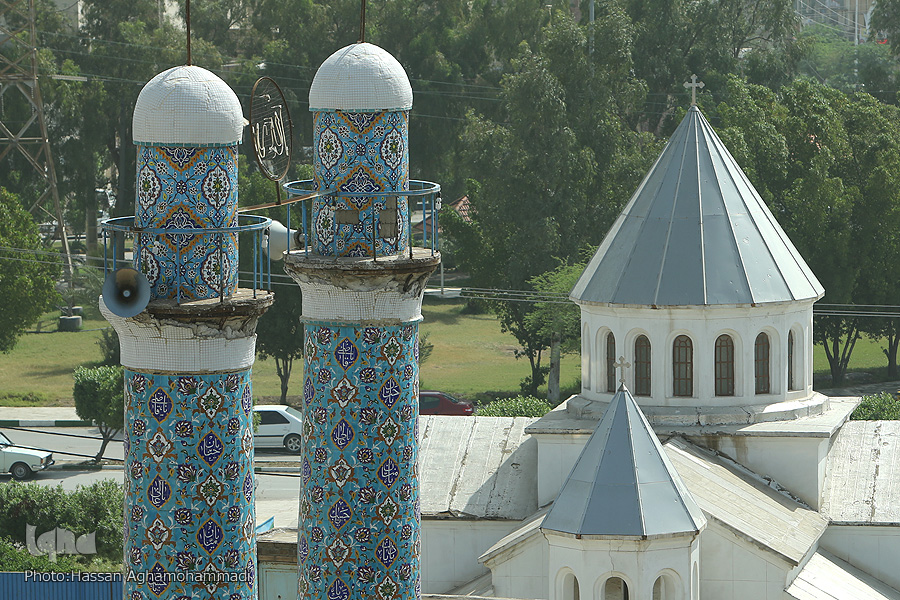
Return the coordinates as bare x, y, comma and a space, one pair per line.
471, 355
471, 358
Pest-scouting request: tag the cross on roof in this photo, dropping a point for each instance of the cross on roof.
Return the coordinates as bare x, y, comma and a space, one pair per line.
694, 84
621, 364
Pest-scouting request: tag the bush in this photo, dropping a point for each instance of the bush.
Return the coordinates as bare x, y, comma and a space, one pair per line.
520, 406
877, 407
97, 507
15, 557
109, 346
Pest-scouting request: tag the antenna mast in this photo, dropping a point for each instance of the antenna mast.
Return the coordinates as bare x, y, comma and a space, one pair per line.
18, 79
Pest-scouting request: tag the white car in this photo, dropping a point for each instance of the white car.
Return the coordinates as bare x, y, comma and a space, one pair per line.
22, 462
279, 426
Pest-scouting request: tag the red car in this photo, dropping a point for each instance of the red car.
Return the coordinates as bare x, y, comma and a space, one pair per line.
440, 403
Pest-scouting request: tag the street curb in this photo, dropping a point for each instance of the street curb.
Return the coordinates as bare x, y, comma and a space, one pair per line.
30, 423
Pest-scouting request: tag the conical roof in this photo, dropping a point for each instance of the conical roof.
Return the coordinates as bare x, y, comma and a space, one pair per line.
696, 232
623, 483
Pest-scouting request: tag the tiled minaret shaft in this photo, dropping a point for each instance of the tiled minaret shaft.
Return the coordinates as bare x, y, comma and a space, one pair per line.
362, 298
189, 482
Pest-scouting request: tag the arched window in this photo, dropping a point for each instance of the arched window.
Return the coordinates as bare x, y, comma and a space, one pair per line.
570, 587
761, 363
683, 366
615, 588
664, 588
724, 366
790, 361
642, 366
610, 361
695, 583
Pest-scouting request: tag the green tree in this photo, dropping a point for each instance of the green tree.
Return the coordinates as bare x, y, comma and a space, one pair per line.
27, 273
543, 185
280, 333
558, 321
825, 163
99, 397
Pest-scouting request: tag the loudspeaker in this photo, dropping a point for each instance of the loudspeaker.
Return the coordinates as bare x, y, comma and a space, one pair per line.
278, 239
126, 292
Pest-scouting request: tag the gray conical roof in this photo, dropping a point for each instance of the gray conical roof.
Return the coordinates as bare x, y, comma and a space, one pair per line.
696, 232
623, 483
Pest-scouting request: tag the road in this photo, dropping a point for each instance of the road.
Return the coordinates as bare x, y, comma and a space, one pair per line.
277, 495
64, 439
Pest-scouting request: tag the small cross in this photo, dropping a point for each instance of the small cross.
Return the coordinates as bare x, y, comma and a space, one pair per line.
622, 365
694, 84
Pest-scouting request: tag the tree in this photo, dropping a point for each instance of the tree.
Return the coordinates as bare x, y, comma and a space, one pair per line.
100, 398
543, 184
559, 323
280, 333
826, 164
27, 273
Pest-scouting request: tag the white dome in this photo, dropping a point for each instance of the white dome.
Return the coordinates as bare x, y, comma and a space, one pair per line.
360, 77
187, 105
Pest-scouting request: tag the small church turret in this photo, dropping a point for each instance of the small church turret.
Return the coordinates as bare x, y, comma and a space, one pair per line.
624, 526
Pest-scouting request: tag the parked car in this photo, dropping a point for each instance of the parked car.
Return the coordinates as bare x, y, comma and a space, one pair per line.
441, 403
22, 462
279, 426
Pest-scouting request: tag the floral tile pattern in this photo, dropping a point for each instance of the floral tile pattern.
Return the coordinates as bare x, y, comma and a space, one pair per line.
187, 188
359, 492
189, 512
360, 153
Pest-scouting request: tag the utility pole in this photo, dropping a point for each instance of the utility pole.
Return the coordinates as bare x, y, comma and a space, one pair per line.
26, 132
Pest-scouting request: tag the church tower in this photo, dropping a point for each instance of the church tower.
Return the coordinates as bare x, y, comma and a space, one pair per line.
362, 281
624, 526
697, 285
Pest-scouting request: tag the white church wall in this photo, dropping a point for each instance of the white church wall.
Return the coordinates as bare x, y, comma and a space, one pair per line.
702, 325
637, 562
873, 549
803, 474
734, 569
451, 547
557, 454
521, 571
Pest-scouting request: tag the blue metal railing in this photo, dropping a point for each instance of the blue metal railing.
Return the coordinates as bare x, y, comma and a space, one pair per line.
255, 224
429, 192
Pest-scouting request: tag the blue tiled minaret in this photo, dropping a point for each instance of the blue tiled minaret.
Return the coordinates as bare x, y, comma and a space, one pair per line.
189, 482
362, 297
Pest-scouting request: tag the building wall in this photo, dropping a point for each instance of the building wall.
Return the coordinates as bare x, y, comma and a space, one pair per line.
639, 563
450, 551
734, 569
521, 572
872, 549
703, 325
803, 475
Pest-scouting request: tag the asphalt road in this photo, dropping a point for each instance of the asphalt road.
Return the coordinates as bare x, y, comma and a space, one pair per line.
65, 439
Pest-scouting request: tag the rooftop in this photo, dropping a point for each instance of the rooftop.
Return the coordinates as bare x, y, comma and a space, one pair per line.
360, 78
696, 233
623, 483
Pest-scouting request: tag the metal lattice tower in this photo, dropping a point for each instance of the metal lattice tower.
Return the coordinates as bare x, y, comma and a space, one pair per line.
19, 82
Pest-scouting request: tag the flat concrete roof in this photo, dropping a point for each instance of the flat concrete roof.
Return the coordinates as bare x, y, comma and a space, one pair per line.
862, 475
477, 467
826, 577
743, 502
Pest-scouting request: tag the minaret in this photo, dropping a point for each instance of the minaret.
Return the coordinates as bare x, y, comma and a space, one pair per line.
362, 284
189, 483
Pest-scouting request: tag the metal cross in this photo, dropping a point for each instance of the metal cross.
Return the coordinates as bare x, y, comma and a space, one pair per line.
622, 365
694, 84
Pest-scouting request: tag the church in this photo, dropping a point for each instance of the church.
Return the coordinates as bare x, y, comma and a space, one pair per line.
697, 462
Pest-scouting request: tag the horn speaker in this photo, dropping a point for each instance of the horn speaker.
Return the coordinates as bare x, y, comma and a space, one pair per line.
279, 239
126, 292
